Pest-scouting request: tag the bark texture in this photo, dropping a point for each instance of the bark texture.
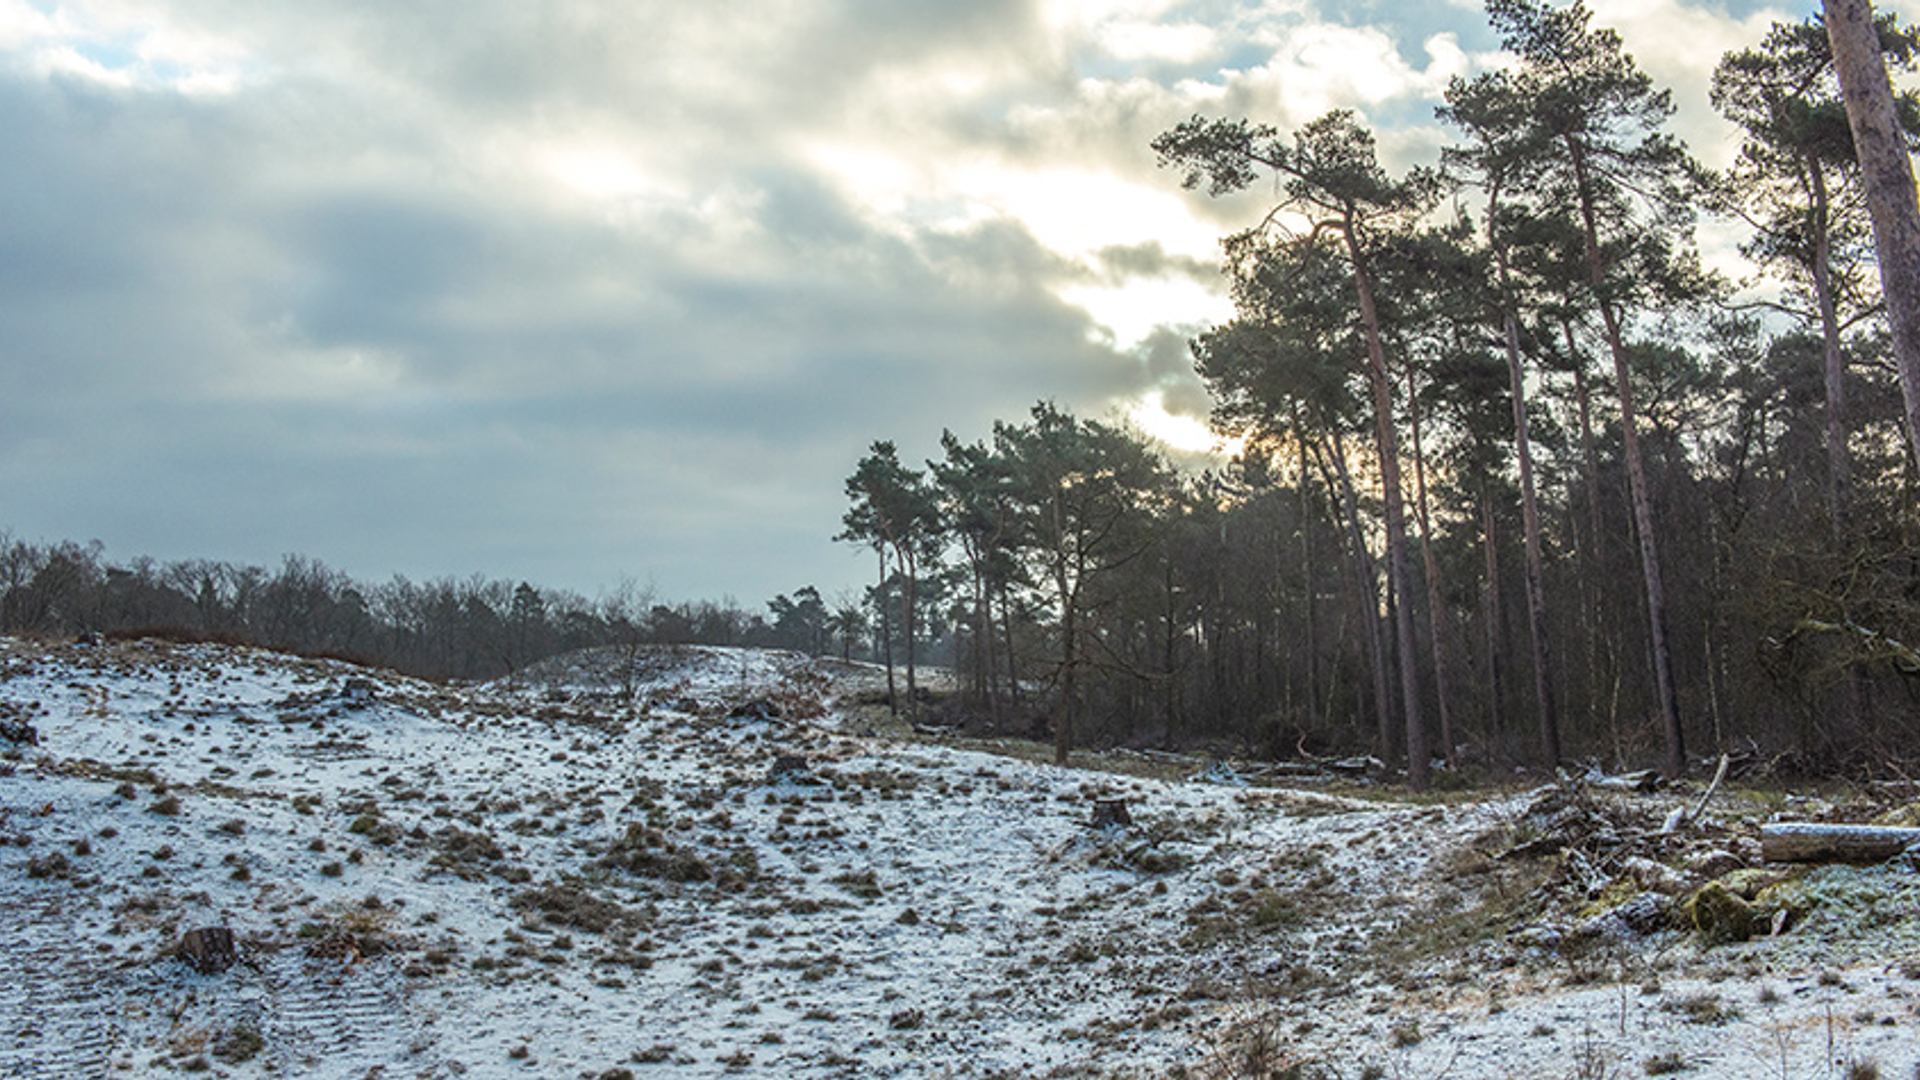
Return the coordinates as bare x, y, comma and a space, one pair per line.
1886, 172
1817, 842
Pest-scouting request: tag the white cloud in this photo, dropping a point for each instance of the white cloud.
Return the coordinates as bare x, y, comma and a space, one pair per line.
1679, 45
1076, 211
897, 191
344, 374
67, 60
124, 46
1316, 68
1182, 43
599, 170
22, 24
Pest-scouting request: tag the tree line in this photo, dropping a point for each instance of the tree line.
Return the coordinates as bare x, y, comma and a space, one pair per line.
444, 628
1522, 481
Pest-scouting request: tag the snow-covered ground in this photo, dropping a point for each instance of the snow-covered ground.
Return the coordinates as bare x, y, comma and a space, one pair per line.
552, 878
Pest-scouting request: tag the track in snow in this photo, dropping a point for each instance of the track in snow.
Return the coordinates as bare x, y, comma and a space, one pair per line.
58, 1009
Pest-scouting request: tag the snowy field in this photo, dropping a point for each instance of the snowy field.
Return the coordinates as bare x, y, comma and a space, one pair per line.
707, 868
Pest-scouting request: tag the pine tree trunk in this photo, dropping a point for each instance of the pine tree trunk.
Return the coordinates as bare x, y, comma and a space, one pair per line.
886, 635
983, 642
1436, 594
1366, 593
1398, 589
1544, 701
1886, 170
1066, 586
1013, 658
1170, 646
1661, 652
1495, 623
911, 568
1839, 462
1310, 588
1603, 631
1063, 724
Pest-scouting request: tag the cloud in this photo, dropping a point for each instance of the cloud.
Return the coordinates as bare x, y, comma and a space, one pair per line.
376, 340
572, 291
1316, 68
1679, 45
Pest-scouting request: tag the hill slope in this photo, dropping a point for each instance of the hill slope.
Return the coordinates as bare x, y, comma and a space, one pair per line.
712, 877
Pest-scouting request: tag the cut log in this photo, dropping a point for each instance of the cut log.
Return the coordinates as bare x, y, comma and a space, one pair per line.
1805, 841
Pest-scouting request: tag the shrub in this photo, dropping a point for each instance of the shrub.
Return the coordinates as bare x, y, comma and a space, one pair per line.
240, 1044
1664, 1064
50, 866
567, 904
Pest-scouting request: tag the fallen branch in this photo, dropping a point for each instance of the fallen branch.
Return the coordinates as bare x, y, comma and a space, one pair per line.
1806, 841
1682, 816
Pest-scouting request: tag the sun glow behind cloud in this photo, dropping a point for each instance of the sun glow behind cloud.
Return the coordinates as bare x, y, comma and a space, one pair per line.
1184, 434
1075, 214
1129, 312
596, 170
895, 192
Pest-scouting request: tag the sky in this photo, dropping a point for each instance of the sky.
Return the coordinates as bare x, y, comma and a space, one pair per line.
587, 292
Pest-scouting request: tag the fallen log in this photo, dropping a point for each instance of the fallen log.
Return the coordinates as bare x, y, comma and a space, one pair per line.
1807, 841
1638, 782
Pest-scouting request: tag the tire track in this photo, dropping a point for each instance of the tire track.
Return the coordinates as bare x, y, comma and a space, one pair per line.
327, 1018
58, 1008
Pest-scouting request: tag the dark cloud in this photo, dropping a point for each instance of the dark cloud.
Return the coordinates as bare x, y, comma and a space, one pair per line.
1167, 356
1123, 261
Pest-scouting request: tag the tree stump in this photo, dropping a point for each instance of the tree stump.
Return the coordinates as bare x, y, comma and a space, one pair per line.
358, 693
1111, 814
789, 769
756, 709
208, 950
